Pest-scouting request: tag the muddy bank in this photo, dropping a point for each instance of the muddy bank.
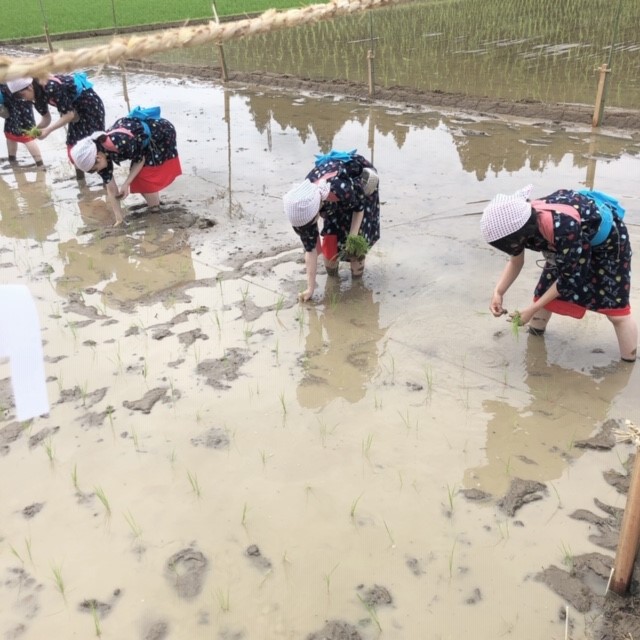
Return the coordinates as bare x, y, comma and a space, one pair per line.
406, 96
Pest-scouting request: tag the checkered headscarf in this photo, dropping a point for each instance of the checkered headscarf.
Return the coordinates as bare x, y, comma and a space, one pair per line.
505, 214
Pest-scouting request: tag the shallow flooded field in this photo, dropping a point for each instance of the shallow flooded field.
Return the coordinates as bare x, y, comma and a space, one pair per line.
222, 462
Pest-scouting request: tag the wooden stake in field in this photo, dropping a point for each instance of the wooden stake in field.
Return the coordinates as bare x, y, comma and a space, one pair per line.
597, 115
45, 24
223, 61
630, 528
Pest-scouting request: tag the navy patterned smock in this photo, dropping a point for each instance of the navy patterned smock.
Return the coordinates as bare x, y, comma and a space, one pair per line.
61, 92
346, 190
596, 278
155, 151
20, 115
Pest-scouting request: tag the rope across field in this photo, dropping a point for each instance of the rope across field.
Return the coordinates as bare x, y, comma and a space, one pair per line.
124, 48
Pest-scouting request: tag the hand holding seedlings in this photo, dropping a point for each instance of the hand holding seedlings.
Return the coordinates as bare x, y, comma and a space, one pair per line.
33, 132
356, 246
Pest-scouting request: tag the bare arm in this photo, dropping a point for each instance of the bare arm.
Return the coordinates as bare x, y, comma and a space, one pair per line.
134, 170
356, 221
548, 296
311, 263
60, 122
112, 197
508, 276
45, 121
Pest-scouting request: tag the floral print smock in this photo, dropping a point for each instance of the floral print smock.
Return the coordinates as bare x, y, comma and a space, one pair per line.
20, 114
61, 91
128, 140
597, 278
346, 197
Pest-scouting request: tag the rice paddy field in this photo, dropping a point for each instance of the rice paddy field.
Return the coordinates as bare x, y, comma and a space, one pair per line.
526, 50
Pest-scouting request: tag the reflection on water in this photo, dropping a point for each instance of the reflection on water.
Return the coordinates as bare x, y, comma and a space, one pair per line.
341, 348
129, 269
535, 442
26, 209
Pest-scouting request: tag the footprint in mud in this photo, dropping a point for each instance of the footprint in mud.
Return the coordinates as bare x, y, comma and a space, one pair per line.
214, 438
258, 560
156, 631
32, 510
415, 566
375, 596
101, 608
336, 630
186, 570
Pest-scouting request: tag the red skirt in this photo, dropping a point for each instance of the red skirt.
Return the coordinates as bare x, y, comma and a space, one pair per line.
154, 179
573, 310
15, 138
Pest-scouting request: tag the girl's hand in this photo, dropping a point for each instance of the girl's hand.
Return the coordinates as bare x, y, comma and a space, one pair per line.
305, 296
44, 133
523, 316
496, 307
123, 192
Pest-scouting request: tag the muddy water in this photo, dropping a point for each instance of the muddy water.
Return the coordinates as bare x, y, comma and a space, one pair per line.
214, 413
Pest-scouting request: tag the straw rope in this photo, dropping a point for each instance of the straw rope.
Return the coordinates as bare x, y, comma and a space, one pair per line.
123, 48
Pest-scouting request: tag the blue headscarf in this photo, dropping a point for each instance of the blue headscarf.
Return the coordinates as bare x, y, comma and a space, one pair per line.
342, 156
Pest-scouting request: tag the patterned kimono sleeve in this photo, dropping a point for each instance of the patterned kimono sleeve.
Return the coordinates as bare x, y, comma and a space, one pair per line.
40, 102
572, 256
127, 146
309, 235
62, 94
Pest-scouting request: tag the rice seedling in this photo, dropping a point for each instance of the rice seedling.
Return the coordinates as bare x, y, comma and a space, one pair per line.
133, 525
451, 494
49, 450
14, 551
247, 332
283, 404
516, 323
195, 485
134, 437
504, 534
377, 402
389, 534
264, 456
74, 477
96, 620
428, 375
327, 578
366, 447
224, 600
110, 410
372, 612
279, 305
245, 509
244, 293
27, 544
451, 555
59, 580
555, 490
354, 506
100, 494
567, 556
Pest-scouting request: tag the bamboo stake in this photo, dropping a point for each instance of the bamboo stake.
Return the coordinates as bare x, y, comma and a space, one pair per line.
630, 528
223, 61
603, 69
46, 28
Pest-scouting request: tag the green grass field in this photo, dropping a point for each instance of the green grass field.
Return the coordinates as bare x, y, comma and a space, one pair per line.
24, 18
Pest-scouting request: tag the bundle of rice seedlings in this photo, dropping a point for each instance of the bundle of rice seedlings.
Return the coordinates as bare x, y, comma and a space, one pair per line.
356, 246
33, 132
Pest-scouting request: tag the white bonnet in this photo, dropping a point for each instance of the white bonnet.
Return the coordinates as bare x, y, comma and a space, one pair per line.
505, 214
84, 152
302, 202
18, 84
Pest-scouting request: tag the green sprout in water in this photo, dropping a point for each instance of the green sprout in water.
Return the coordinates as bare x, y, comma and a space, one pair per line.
516, 323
